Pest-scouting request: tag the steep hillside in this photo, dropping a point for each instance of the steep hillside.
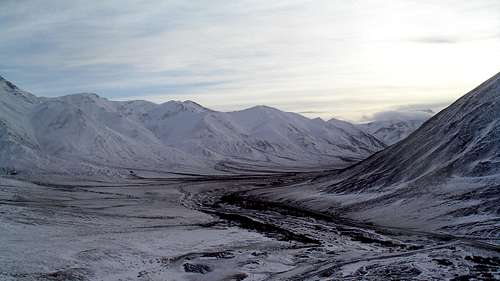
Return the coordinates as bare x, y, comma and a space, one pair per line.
461, 141
445, 176
18, 144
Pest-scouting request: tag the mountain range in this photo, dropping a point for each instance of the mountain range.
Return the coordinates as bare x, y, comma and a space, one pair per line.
444, 176
87, 134
397, 125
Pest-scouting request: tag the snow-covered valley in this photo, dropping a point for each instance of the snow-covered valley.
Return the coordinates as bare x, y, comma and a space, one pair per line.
443, 177
191, 228
257, 194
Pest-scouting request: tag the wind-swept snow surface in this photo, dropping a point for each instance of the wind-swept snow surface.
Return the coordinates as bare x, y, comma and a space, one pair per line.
444, 176
87, 134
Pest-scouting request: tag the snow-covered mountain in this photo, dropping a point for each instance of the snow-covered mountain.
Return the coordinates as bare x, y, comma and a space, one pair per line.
260, 134
84, 132
445, 176
75, 134
447, 172
18, 144
396, 126
257, 134
88, 128
462, 141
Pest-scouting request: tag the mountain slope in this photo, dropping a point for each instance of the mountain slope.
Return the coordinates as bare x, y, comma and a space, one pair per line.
18, 143
445, 176
461, 141
84, 133
394, 129
86, 127
77, 134
260, 134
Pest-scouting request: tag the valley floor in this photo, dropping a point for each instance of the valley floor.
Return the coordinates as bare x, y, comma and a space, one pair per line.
198, 228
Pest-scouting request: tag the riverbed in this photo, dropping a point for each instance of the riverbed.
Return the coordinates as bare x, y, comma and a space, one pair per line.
200, 228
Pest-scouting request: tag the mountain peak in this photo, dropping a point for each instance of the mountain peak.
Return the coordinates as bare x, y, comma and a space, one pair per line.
86, 95
262, 108
12, 91
8, 84
193, 104
179, 106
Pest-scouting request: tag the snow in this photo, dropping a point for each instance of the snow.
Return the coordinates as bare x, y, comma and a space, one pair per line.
144, 230
395, 126
444, 177
118, 230
87, 134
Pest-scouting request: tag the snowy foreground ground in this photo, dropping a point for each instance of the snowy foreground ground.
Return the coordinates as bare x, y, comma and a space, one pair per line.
190, 229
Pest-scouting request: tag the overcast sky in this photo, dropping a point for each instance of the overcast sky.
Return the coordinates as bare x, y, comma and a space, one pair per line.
324, 58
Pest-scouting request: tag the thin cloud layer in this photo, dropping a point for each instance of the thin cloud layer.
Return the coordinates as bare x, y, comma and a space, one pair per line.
399, 115
328, 58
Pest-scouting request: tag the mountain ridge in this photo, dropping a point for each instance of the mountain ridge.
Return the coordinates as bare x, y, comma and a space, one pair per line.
99, 134
393, 130
442, 177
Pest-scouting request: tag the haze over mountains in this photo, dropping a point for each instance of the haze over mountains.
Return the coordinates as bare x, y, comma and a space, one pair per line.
443, 176
87, 134
394, 126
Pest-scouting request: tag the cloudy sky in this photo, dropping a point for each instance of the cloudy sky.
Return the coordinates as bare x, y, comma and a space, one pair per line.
327, 58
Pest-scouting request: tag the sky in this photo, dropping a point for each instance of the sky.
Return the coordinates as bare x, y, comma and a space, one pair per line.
320, 58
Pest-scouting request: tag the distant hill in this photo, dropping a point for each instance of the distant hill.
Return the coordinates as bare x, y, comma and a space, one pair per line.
397, 126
